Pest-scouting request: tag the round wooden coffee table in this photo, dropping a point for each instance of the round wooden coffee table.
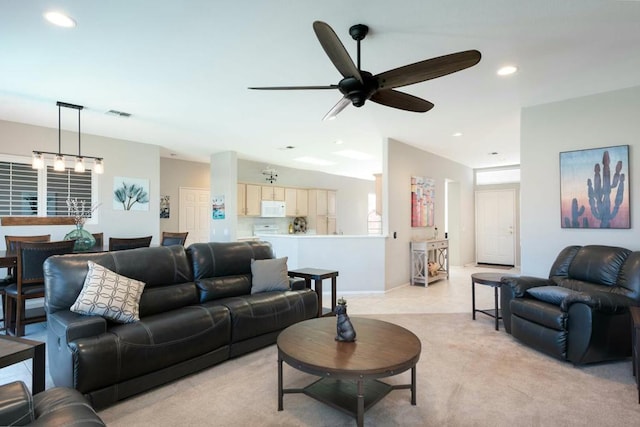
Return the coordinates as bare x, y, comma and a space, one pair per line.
348, 370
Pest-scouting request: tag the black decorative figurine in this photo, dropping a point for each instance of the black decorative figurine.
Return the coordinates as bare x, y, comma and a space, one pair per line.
344, 326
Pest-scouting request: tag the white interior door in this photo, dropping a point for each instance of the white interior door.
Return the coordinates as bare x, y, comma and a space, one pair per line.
495, 226
194, 214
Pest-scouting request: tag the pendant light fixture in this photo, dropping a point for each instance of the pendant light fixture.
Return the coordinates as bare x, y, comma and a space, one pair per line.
58, 160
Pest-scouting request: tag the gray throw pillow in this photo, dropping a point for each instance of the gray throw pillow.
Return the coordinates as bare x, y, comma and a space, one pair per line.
106, 293
269, 275
551, 294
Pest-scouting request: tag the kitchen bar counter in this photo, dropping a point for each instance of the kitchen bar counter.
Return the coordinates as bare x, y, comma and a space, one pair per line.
360, 259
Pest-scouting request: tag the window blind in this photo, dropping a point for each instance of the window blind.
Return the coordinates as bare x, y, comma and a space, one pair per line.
18, 189
66, 185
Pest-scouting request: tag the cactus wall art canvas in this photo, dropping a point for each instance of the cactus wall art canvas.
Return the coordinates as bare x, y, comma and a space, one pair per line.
422, 201
594, 188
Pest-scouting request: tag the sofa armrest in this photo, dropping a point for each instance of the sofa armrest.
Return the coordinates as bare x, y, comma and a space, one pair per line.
297, 283
515, 287
519, 284
16, 404
605, 302
72, 325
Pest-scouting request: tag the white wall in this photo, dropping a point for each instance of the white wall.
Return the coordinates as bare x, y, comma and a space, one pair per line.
601, 120
404, 161
121, 158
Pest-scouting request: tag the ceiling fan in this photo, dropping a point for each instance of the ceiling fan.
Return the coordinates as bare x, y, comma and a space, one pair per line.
358, 85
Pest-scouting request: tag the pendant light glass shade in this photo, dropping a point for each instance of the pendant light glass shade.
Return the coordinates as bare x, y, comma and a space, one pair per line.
58, 163
98, 167
37, 162
79, 165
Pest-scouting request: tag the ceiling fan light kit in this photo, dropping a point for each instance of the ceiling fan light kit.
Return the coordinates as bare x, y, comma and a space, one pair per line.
358, 86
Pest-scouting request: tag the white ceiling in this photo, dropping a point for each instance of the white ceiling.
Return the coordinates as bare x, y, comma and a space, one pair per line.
182, 69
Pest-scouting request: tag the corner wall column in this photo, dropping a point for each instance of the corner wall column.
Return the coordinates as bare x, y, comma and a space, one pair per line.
224, 185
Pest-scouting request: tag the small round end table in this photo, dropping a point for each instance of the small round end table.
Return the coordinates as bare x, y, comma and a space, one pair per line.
489, 279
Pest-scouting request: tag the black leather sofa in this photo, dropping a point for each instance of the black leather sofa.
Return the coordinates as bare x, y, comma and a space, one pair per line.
581, 312
196, 311
58, 406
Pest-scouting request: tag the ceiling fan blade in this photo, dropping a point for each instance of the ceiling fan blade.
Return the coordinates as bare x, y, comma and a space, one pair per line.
428, 69
294, 87
341, 105
401, 100
335, 50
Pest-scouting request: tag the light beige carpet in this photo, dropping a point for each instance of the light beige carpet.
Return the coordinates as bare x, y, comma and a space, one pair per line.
468, 375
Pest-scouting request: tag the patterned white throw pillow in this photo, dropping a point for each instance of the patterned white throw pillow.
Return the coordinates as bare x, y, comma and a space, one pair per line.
110, 295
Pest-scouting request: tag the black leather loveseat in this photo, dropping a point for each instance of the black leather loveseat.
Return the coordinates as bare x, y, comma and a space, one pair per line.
196, 310
581, 312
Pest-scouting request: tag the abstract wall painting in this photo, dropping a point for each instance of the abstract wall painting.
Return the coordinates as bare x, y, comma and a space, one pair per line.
422, 201
130, 194
594, 188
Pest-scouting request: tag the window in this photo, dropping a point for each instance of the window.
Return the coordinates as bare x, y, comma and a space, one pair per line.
29, 192
66, 185
374, 221
497, 176
18, 189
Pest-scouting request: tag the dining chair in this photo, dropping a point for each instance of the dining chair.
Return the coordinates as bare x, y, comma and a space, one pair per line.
10, 243
99, 240
29, 281
121, 243
170, 238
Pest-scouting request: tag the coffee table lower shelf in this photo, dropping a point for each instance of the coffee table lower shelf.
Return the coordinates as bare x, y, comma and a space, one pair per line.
343, 394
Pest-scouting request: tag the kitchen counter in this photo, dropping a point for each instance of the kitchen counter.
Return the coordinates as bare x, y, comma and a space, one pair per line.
360, 259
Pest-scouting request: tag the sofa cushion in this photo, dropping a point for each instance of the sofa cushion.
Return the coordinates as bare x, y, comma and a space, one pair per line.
551, 294
110, 295
257, 314
269, 275
598, 264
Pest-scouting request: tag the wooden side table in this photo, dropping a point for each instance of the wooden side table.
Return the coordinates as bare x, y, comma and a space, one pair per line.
14, 350
318, 275
635, 344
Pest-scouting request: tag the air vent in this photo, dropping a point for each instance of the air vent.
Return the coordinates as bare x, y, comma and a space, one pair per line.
118, 113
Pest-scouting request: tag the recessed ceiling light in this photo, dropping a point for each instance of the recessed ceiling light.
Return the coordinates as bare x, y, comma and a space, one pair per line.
314, 161
493, 153
507, 70
339, 142
353, 154
60, 19
457, 134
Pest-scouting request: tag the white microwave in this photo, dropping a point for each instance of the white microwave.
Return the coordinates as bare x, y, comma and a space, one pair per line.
273, 209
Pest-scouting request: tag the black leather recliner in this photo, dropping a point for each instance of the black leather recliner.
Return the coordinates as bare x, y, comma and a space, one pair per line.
58, 406
581, 312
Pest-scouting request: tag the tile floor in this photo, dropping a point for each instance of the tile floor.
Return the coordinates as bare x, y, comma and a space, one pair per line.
445, 296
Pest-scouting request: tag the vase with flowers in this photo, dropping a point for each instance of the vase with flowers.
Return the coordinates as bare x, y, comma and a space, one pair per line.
80, 211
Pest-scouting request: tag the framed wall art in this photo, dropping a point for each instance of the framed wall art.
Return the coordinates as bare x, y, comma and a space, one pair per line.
130, 194
422, 201
594, 188
165, 206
